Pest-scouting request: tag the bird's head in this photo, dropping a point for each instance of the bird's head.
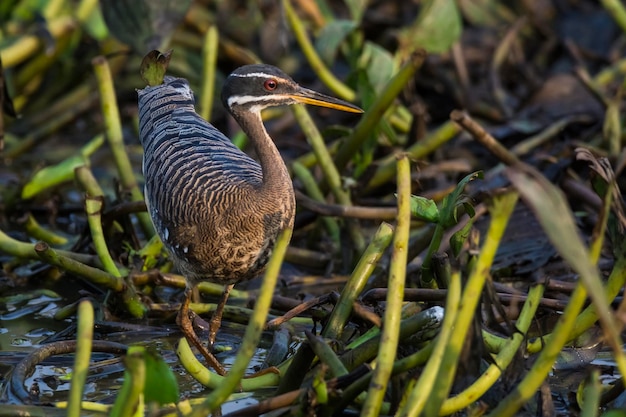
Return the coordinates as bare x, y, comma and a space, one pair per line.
255, 87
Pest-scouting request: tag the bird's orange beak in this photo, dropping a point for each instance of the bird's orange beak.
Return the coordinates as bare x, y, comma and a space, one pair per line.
306, 96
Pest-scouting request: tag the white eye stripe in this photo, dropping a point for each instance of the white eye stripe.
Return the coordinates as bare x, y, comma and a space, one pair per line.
253, 74
251, 99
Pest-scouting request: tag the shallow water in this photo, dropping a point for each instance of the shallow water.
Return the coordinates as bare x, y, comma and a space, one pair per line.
27, 321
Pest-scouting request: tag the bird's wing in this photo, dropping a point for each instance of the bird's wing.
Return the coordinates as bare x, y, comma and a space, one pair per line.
193, 173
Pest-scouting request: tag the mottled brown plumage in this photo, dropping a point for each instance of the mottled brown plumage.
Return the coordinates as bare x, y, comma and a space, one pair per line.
216, 209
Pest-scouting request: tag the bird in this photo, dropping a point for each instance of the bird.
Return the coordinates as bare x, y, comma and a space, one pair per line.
217, 210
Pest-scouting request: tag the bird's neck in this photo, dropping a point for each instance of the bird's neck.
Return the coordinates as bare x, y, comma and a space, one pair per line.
275, 172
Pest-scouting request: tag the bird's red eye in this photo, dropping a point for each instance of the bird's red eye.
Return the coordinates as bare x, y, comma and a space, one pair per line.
270, 84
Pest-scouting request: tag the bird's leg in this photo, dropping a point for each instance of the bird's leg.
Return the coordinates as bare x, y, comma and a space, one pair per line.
184, 322
216, 319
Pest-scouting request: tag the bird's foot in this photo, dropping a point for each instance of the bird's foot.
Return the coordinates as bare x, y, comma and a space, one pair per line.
216, 318
183, 319
214, 326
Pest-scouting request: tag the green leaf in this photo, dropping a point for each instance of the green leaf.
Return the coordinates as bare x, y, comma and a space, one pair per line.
154, 66
330, 38
612, 127
363, 158
144, 24
458, 239
424, 208
486, 13
161, 385
437, 27
469, 208
150, 253
357, 8
453, 200
379, 65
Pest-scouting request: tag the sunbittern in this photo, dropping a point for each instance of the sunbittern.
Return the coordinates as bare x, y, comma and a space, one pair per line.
216, 209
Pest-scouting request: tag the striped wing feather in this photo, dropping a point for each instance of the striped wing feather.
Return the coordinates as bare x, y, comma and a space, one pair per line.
199, 188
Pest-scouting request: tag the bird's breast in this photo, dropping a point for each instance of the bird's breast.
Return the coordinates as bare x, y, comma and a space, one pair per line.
225, 247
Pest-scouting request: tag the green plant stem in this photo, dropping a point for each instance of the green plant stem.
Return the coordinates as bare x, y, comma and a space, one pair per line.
62, 112
95, 275
52, 8
88, 183
324, 74
401, 119
204, 287
32, 71
609, 74
209, 64
537, 192
253, 331
355, 285
210, 288
502, 208
419, 327
28, 45
426, 279
397, 276
591, 395
324, 159
241, 314
82, 357
419, 394
80, 94
113, 124
304, 356
326, 355
331, 174
546, 199
313, 190
93, 208
387, 166
129, 401
532, 142
356, 389
501, 361
212, 380
584, 321
84, 405
116, 139
16, 248
617, 10
36, 231
543, 364
85, 9
373, 115
25, 250
309, 159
